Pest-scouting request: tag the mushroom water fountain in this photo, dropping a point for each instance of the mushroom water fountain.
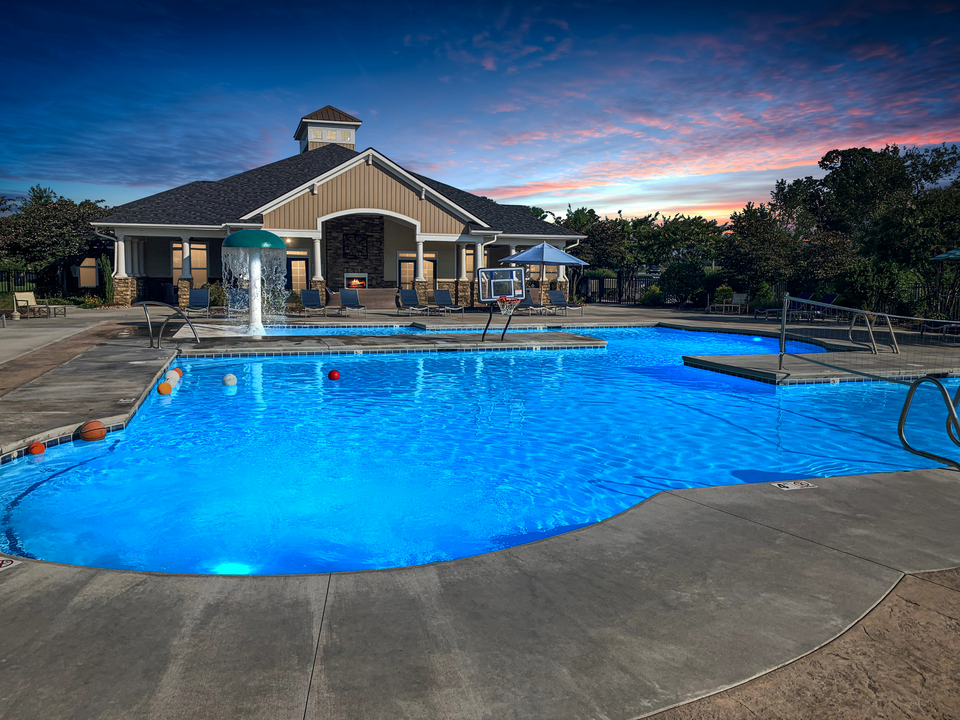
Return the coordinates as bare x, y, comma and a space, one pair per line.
255, 260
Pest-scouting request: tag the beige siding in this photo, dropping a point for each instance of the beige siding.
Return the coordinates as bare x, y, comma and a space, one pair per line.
365, 186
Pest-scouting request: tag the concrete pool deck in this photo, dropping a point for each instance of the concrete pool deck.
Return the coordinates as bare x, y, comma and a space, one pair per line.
688, 593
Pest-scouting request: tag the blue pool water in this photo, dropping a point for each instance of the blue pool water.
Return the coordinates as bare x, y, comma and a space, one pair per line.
413, 458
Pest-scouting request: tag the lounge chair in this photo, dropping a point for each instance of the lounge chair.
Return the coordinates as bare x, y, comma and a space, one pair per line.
794, 309
310, 299
350, 300
527, 304
199, 301
26, 304
444, 303
409, 300
558, 302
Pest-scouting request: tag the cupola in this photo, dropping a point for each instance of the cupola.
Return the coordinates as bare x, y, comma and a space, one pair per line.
327, 126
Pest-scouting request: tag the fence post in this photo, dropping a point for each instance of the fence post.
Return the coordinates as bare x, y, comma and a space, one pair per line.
783, 329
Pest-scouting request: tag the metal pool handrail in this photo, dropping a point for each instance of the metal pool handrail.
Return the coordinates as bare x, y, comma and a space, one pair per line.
953, 422
163, 327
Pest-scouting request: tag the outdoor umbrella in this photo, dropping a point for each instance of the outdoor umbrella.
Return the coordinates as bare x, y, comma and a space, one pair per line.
543, 254
950, 255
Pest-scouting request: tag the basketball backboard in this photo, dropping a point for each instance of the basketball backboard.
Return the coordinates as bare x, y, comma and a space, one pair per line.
499, 282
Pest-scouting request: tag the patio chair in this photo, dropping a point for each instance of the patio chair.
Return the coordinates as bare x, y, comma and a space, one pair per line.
199, 302
409, 300
558, 302
310, 299
26, 304
527, 305
350, 300
738, 302
444, 303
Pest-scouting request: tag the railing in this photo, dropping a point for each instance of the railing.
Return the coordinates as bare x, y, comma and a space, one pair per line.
176, 310
795, 306
953, 423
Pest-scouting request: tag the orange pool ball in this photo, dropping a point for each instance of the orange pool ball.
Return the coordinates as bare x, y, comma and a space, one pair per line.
93, 430
37, 448
164, 388
178, 371
333, 375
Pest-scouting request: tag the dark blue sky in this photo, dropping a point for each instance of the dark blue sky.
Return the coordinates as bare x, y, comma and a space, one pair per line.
671, 107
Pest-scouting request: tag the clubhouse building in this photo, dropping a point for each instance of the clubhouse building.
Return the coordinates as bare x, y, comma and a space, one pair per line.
349, 219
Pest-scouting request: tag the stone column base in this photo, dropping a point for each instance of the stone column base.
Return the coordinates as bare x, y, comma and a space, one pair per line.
184, 286
320, 285
463, 294
423, 291
124, 291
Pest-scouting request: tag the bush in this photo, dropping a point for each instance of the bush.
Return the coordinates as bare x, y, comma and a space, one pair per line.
107, 273
599, 273
218, 295
295, 300
763, 296
683, 280
723, 294
653, 297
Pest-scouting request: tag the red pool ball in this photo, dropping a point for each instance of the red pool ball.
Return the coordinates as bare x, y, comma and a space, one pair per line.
333, 375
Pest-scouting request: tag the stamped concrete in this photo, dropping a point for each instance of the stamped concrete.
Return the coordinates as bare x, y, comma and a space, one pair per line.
901, 661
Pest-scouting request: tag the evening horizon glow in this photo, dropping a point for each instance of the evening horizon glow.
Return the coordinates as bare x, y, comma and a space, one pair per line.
614, 106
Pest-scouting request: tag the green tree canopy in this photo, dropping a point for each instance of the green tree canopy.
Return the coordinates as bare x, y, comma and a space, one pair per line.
44, 228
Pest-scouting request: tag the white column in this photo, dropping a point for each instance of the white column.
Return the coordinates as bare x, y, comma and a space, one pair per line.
561, 273
513, 249
185, 273
256, 310
141, 264
419, 266
317, 261
120, 260
478, 255
462, 249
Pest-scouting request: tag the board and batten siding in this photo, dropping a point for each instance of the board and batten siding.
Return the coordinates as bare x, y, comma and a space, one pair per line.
364, 186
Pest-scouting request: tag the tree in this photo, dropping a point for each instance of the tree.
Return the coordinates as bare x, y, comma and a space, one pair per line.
757, 248
683, 280
578, 220
45, 229
540, 213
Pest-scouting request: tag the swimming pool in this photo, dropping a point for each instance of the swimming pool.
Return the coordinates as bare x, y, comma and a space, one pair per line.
414, 458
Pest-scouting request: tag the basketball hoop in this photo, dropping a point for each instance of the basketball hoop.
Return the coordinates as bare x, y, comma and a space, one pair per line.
507, 304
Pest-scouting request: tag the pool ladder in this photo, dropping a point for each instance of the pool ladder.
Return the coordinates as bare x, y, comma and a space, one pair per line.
953, 422
176, 311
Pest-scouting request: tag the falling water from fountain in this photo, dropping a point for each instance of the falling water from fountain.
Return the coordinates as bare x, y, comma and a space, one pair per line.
255, 276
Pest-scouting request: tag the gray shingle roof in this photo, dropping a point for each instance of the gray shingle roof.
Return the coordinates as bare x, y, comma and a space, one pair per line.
226, 201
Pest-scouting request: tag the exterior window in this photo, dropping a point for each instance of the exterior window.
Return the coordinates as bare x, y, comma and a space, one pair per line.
198, 263
471, 266
345, 136
88, 273
549, 272
331, 135
316, 134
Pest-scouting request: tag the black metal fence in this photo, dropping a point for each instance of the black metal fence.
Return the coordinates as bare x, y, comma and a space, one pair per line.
620, 289
17, 281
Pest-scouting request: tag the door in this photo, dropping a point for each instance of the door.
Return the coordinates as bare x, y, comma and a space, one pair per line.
296, 273
407, 270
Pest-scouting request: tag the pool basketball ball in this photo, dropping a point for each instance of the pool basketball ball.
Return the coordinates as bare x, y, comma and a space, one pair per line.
93, 430
164, 388
334, 375
37, 448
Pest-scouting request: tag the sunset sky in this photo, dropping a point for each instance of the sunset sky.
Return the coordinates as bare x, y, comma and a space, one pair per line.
676, 107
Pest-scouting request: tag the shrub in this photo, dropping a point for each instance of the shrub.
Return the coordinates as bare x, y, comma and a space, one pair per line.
683, 280
763, 296
218, 295
107, 272
723, 294
295, 299
653, 297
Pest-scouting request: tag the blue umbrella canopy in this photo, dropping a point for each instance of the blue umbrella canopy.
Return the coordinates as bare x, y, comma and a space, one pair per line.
951, 255
543, 254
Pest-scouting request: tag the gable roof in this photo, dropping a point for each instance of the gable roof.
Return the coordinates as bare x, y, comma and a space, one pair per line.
331, 114
214, 203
